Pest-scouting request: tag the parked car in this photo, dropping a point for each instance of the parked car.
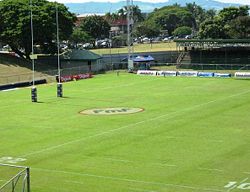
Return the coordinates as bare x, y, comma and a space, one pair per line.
145, 40
87, 45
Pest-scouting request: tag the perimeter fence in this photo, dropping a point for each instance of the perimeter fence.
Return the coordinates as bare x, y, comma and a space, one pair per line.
50, 75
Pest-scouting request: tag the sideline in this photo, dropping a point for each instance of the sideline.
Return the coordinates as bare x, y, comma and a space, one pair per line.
125, 180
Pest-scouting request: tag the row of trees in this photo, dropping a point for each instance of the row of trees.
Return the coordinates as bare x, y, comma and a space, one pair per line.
192, 19
232, 22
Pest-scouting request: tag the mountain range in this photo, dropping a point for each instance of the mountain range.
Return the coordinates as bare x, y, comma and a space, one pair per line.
105, 7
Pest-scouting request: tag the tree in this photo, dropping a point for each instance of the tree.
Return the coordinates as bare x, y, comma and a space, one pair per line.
181, 31
96, 26
147, 30
211, 29
230, 13
231, 22
170, 17
79, 36
15, 24
137, 14
239, 28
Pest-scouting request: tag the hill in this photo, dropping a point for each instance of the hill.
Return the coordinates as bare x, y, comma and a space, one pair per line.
105, 7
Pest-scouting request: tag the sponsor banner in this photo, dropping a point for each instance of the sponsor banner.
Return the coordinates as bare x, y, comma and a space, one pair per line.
222, 75
242, 75
85, 76
188, 73
111, 111
66, 78
167, 73
146, 72
75, 77
205, 74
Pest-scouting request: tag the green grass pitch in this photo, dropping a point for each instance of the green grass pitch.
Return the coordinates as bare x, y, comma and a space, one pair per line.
193, 135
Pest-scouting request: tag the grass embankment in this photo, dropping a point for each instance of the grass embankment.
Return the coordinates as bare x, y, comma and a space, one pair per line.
154, 47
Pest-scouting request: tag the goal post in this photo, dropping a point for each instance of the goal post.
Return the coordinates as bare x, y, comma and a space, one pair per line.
14, 178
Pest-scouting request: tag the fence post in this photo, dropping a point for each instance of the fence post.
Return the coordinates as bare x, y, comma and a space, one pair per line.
28, 179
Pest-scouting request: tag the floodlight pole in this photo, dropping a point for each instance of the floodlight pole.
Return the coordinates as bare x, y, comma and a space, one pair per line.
130, 23
33, 89
59, 84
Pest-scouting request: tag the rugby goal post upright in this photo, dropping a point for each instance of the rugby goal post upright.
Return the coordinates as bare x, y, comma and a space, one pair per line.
33, 57
59, 84
130, 23
15, 178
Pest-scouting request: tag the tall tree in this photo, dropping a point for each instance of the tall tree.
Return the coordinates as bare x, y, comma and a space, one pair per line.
229, 13
96, 26
239, 28
181, 31
170, 17
231, 22
79, 36
147, 30
137, 14
15, 24
211, 29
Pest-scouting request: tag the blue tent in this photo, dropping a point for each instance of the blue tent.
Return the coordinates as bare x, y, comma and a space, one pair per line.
143, 58
140, 58
141, 62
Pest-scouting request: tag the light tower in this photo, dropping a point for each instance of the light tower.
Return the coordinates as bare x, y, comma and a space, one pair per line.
130, 23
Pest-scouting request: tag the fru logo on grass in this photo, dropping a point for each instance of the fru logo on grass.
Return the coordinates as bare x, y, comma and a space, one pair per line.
111, 111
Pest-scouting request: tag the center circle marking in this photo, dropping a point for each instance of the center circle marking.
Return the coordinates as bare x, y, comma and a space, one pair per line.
111, 111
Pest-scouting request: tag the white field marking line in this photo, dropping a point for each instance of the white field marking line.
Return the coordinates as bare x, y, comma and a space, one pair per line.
138, 162
6, 90
184, 137
208, 169
119, 160
230, 189
171, 115
244, 180
125, 180
165, 165
143, 190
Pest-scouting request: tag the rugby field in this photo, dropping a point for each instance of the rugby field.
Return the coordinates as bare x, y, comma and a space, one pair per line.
192, 134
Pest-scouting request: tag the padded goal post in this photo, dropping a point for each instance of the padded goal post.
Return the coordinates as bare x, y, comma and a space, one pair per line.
14, 178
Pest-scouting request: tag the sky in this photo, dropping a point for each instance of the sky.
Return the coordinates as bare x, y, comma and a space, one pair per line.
246, 2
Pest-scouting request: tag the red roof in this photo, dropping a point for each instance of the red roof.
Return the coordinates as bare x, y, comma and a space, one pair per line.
119, 22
